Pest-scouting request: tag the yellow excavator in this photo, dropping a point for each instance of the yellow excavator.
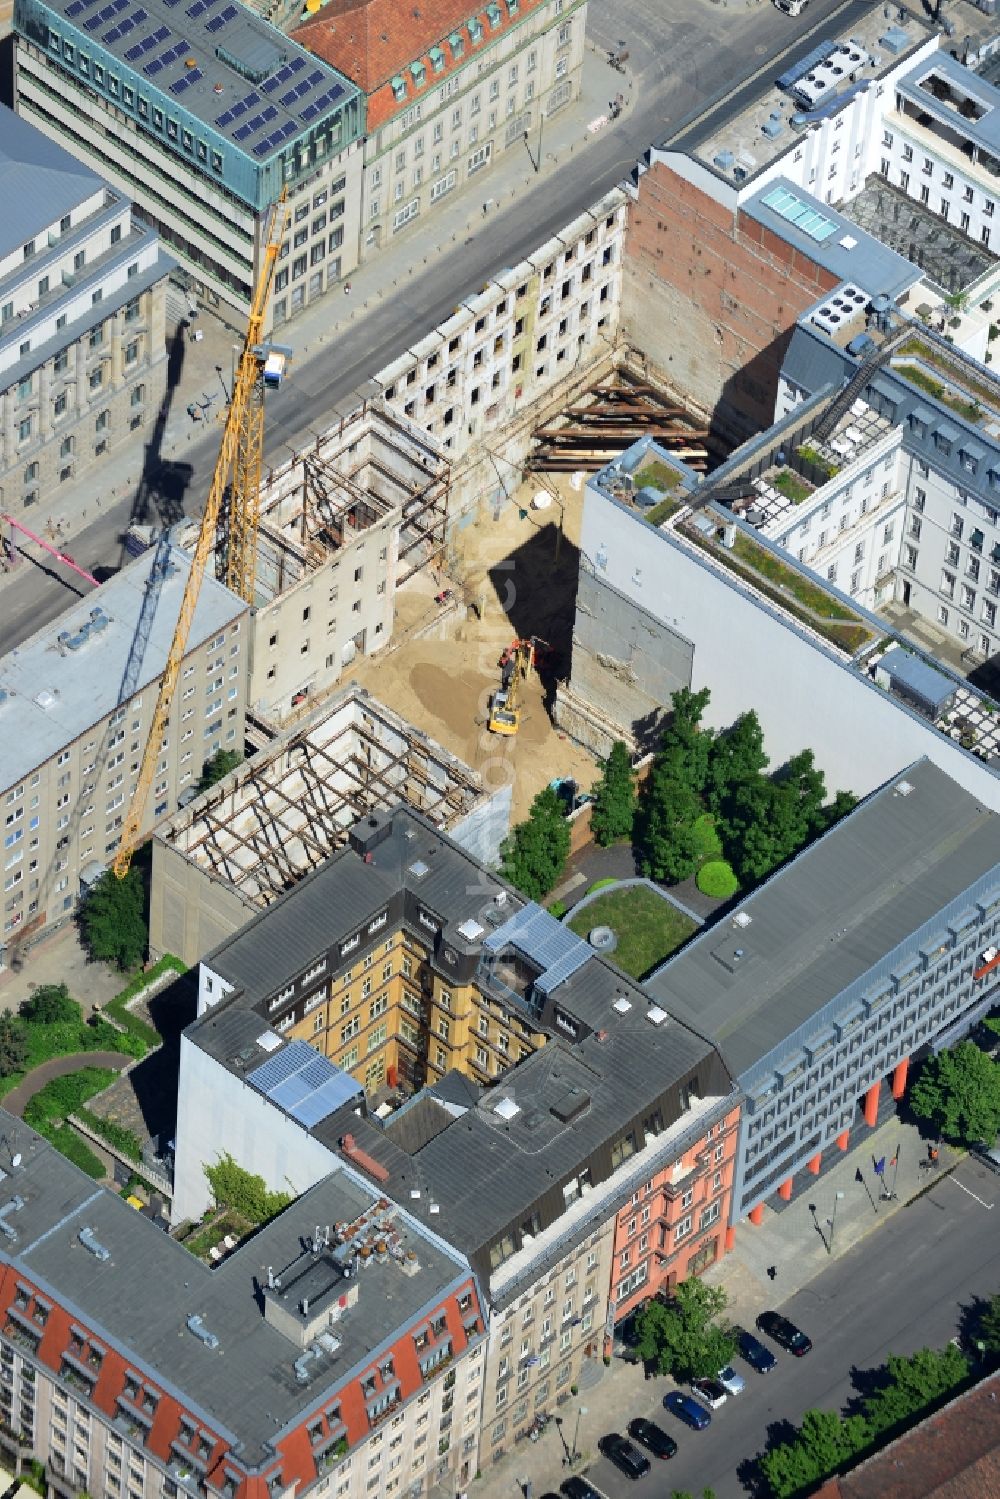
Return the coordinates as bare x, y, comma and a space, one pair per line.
515, 664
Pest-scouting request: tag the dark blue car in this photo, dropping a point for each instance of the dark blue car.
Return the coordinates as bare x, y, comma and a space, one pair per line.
753, 1350
690, 1411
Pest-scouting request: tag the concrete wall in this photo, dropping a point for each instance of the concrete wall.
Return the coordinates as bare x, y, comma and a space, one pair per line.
486, 826
217, 1113
190, 911
742, 649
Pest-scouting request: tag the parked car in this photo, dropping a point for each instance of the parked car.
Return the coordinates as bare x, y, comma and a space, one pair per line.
730, 1381
653, 1437
691, 1412
620, 1451
710, 1392
578, 1488
784, 1333
987, 1155
753, 1350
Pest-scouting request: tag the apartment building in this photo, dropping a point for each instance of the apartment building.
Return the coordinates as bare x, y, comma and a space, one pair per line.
202, 123
76, 702
523, 338
118, 1391
447, 91
940, 144
82, 286
502, 1041
938, 469
875, 942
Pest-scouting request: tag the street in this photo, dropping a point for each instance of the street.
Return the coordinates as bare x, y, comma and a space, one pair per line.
683, 59
900, 1289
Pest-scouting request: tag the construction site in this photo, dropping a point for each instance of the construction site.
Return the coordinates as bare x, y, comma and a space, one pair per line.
341, 526
244, 842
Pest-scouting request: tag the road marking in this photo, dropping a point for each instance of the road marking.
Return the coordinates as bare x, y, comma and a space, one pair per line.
987, 1205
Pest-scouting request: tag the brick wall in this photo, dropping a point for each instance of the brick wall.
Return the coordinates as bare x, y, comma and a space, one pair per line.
712, 303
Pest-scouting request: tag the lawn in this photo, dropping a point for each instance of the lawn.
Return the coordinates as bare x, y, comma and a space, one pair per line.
657, 475
648, 928
791, 486
971, 410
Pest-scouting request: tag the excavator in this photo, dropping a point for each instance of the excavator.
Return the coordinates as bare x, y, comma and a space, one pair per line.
515, 663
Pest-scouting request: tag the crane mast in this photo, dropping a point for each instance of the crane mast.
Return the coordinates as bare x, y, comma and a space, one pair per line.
238, 469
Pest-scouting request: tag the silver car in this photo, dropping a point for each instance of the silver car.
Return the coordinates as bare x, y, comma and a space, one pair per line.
730, 1381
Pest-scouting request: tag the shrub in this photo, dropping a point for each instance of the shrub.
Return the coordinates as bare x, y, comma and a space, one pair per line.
558, 909
49, 1003
716, 879
118, 1137
601, 885
245, 1193
118, 1007
706, 837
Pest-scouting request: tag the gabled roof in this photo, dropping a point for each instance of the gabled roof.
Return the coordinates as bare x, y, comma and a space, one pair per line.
374, 40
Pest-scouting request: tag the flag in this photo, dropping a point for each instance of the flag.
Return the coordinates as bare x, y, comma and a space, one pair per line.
894, 1159
859, 1175
880, 1166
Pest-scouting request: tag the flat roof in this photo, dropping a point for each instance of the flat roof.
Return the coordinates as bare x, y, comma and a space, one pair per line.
838, 908
745, 133
214, 60
55, 691
830, 239
979, 92
112, 1296
39, 180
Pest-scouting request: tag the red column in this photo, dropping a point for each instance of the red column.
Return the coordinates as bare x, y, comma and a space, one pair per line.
899, 1078
815, 1163
871, 1103
785, 1190
842, 1140
756, 1215
730, 1238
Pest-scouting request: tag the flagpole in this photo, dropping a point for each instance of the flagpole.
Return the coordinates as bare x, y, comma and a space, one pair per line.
859, 1176
895, 1169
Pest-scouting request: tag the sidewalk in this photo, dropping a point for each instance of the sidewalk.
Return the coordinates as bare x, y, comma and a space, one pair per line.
794, 1241
457, 219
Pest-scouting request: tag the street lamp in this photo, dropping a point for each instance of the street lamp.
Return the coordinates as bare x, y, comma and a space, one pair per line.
574, 1456
838, 1197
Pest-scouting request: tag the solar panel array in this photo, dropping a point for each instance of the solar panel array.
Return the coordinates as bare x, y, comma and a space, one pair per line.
299, 92
303, 1083
805, 216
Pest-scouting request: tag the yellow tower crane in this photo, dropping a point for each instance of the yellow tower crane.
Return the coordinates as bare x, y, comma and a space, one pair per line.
238, 471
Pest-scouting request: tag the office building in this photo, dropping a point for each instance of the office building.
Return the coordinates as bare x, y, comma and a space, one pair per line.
202, 120
869, 946
82, 355
76, 702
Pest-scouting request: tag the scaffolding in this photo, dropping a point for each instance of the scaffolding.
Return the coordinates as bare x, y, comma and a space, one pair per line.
284, 811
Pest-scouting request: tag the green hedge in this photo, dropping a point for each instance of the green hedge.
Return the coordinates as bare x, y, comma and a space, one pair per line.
121, 1139
47, 1111
716, 879
118, 1007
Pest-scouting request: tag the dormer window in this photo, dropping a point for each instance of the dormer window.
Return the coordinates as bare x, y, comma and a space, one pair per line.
398, 88
457, 44
493, 14
476, 30
437, 59
418, 73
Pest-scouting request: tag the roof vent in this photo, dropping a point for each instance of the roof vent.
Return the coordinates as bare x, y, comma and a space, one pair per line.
196, 1324
622, 1005
91, 1243
655, 1015
45, 699
903, 788
14, 1206
741, 919
269, 1041
506, 1108
471, 930
418, 869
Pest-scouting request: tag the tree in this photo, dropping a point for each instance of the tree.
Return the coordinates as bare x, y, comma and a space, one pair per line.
685, 745
958, 1092
113, 920
802, 789
823, 1443
13, 1045
913, 1384
988, 1327
683, 1339
218, 766
247, 1194
737, 757
667, 841
534, 855
613, 811
50, 1004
